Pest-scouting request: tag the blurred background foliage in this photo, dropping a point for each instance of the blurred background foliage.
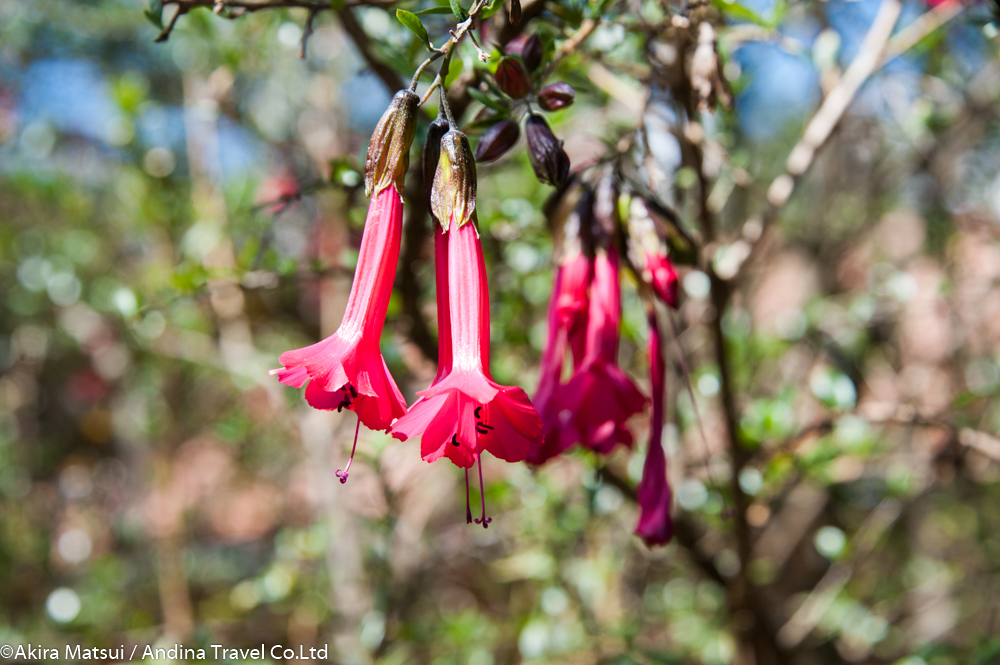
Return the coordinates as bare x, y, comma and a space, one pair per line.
157, 486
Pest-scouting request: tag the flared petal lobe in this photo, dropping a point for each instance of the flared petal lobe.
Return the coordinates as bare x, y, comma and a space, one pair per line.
347, 369
656, 525
466, 411
600, 395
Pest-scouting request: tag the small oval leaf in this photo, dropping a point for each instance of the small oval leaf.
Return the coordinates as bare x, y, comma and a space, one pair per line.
412, 21
457, 10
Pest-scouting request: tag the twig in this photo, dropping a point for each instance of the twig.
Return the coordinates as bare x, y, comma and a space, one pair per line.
876, 51
244, 6
570, 45
307, 30
165, 34
361, 39
422, 67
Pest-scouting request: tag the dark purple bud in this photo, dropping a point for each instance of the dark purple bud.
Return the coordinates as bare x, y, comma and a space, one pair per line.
512, 78
515, 12
516, 45
548, 159
497, 140
432, 151
556, 96
531, 56
528, 48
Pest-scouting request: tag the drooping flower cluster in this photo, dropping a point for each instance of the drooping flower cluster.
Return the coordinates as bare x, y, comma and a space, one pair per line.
465, 412
593, 405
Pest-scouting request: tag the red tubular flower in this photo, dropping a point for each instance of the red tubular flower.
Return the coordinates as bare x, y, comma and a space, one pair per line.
347, 368
567, 331
655, 526
465, 411
600, 396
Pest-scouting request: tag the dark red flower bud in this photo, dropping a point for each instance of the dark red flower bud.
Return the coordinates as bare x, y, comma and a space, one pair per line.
529, 48
497, 140
432, 151
556, 96
531, 56
516, 45
548, 159
512, 78
515, 12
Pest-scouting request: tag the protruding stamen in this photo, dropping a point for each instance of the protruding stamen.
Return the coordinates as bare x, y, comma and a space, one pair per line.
479, 410
484, 520
454, 440
468, 508
343, 474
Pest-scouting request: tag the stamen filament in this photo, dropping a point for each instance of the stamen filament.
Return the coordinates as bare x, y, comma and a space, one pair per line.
343, 474
468, 508
484, 520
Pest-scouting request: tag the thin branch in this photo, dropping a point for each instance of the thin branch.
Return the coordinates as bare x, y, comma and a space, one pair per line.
165, 34
876, 51
307, 30
364, 43
241, 7
571, 44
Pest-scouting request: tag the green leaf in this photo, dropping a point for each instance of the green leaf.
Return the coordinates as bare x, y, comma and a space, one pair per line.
336, 5
491, 8
412, 21
486, 100
458, 11
155, 13
454, 69
434, 10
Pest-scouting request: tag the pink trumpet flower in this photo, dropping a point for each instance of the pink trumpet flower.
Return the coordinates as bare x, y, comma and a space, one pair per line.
600, 396
465, 411
567, 329
655, 526
347, 370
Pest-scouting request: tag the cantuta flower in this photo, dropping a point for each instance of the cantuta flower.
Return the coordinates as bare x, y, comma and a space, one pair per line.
655, 526
600, 397
347, 369
465, 411
567, 330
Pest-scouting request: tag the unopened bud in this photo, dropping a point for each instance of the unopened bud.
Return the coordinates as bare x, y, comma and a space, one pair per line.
515, 12
512, 79
497, 140
548, 159
389, 148
556, 96
432, 152
453, 195
528, 48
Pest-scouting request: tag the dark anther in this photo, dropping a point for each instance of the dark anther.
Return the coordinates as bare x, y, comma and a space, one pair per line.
478, 411
354, 393
454, 440
483, 428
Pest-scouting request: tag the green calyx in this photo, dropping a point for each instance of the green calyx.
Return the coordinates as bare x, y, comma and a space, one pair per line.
389, 148
453, 194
